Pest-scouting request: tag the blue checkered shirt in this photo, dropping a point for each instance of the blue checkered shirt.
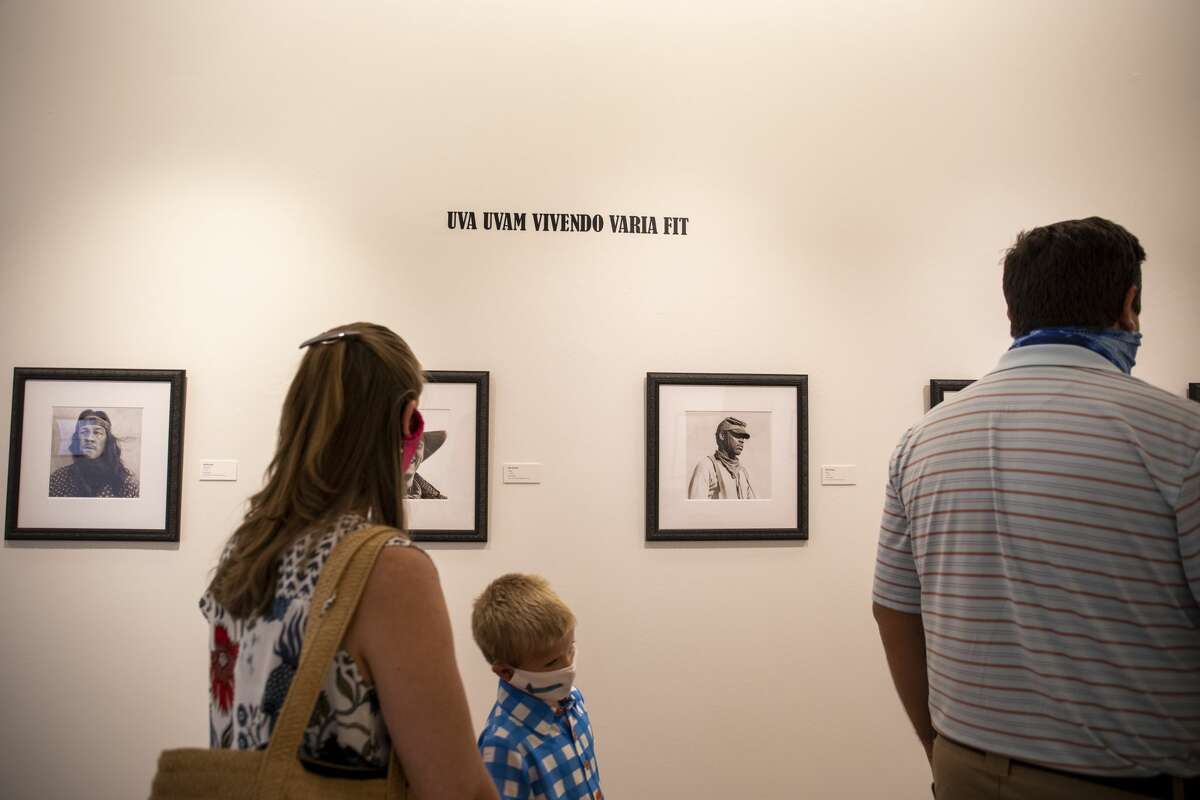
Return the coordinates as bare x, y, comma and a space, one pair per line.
536, 752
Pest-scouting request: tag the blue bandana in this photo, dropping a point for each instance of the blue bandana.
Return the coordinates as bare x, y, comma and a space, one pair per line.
1119, 347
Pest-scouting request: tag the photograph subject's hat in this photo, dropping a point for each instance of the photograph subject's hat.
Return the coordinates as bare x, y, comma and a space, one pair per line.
432, 441
734, 426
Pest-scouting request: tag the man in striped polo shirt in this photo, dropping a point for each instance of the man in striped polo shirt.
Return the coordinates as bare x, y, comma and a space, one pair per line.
1038, 572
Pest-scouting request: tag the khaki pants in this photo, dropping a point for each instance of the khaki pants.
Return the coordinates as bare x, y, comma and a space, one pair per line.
962, 774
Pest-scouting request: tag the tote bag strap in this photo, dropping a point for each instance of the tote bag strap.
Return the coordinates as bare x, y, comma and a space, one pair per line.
333, 604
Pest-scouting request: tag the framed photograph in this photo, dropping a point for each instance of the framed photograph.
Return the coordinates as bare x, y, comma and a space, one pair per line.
941, 388
1194, 391
726, 457
448, 480
95, 454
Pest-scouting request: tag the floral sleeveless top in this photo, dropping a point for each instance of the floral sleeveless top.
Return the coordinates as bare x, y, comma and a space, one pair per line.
252, 663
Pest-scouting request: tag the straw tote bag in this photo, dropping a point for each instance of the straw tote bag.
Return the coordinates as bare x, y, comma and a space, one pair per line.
278, 772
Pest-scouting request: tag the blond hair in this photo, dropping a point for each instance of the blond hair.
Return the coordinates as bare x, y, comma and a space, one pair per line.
517, 615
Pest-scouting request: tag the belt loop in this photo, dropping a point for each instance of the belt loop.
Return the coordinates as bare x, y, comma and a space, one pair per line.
1177, 788
997, 765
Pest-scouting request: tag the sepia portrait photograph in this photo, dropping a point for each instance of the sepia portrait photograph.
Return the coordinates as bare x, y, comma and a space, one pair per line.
96, 454
731, 455
726, 457
446, 498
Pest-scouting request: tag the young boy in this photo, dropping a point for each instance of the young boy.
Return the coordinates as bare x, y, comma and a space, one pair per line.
538, 742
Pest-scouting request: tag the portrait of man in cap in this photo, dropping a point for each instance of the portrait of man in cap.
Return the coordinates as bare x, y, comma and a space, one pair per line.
722, 475
96, 468
418, 487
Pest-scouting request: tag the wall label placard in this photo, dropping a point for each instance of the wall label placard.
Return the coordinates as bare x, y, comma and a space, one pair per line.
547, 222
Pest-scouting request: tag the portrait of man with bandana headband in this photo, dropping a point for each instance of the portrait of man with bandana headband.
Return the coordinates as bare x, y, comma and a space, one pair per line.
722, 475
96, 468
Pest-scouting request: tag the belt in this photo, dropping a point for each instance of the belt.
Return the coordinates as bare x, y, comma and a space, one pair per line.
1159, 786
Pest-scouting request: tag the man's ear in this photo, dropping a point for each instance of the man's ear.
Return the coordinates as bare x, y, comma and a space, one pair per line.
1128, 321
503, 671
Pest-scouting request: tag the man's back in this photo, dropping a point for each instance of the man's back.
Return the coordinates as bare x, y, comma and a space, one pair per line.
1046, 526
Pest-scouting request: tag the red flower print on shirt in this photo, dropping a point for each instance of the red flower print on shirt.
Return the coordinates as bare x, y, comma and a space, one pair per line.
220, 671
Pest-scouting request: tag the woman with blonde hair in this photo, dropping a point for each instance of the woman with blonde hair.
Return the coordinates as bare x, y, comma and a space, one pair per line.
347, 433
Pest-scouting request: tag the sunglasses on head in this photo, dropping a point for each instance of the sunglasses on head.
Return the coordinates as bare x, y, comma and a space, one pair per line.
329, 337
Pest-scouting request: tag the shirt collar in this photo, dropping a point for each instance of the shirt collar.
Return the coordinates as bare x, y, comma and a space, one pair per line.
1054, 355
530, 711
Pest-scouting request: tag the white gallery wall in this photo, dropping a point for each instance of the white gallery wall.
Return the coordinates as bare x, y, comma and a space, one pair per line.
202, 186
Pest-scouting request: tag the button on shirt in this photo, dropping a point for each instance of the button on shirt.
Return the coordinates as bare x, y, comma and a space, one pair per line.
536, 752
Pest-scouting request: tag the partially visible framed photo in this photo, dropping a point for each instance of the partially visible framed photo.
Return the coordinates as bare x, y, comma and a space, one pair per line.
95, 454
448, 480
1194, 391
941, 388
726, 457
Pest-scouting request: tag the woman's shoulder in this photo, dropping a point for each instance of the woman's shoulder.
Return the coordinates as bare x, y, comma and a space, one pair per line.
402, 576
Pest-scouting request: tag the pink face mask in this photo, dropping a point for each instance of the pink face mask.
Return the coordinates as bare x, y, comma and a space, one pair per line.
412, 441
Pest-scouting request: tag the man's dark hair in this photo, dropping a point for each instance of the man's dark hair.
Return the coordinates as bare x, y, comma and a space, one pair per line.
109, 469
1074, 272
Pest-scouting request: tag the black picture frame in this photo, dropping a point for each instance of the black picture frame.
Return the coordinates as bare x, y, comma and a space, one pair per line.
655, 381
169, 532
938, 387
1194, 392
479, 533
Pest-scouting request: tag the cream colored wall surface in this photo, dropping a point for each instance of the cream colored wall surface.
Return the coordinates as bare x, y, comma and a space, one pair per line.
203, 185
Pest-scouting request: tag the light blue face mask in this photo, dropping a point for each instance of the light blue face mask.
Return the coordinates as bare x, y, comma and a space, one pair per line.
1119, 347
